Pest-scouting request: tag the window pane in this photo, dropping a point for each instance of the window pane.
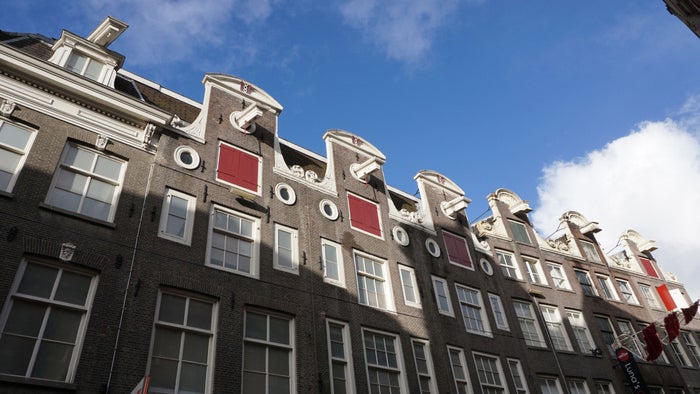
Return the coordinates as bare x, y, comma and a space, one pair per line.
97, 209
108, 168
163, 373
256, 326
73, 288
52, 361
279, 330
172, 309
178, 207
279, 361
279, 385
15, 354
199, 314
196, 348
193, 378
253, 383
254, 357
14, 136
101, 191
79, 158
75, 62
25, 318
38, 280
63, 325
93, 70
166, 343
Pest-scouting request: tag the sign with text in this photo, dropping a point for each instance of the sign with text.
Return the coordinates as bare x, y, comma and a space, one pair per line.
631, 371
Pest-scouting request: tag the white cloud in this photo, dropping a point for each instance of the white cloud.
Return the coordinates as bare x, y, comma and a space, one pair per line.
404, 30
173, 31
648, 181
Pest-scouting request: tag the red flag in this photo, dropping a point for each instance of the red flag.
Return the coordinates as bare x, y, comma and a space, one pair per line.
673, 326
653, 342
689, 312
666, 297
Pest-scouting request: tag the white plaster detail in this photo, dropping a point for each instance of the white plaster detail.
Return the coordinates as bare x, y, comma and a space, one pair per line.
586, 226
67, 251
454, 206
361, 171
514, 202
107, 31
643, 244
298, 170
311, 176
244, 120
177, 122
149, 130
101, 142
7, 107
481, 246
325, 184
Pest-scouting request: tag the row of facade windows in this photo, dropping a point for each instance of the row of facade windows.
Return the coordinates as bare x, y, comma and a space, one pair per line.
46, 314
45, 318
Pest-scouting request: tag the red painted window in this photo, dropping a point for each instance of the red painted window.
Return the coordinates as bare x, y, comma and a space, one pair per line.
238, 168
457, 250
364, 215
649, 267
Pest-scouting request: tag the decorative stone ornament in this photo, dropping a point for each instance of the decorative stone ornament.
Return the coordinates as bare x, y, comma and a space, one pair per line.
67, 252
7, 107
101, 142
149, 130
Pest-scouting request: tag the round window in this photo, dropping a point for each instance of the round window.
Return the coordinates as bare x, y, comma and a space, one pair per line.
486, 267
285, 193
432, 247
400, 236
186, 157
328, 209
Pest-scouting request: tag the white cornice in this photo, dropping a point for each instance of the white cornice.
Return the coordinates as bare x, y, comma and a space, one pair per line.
81, 88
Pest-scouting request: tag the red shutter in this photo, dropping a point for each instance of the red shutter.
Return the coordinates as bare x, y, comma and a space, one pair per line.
457, 249
364, 215
666, 297
238, 167
649, 267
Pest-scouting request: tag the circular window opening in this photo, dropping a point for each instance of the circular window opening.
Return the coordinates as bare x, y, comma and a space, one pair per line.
400, 236
285, 193
432, 247
486, 267
328, 209
186, 157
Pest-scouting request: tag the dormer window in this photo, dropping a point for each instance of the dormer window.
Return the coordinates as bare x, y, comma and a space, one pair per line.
84, 65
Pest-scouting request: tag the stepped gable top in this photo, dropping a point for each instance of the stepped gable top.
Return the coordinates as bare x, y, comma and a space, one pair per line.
514, 202
355, 143
643, 244
586, 226
243, 89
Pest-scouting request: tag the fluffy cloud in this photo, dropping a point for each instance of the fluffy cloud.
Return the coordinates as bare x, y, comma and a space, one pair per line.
404, 30
648, 181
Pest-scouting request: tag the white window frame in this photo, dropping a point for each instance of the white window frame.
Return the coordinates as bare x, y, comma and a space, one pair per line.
560, 282
649, 296
464, 381
50, 304
517, 376
90, 174
590, 252
186, 238
680, 354
509, 264
613, 333
692, 345
183, 329
521, 225
486, 387
429, 373
604, 388
385, 278
548, 380
255, 240
534, 271
627, 291
409, 288
340, 281
345, 360
22, 152
577, 386
555, 325
582, 334
400, 368
594, 291
294, 251
443, 284
499, 314
466, 297
88, 60
528, 319
607, 287
290, 347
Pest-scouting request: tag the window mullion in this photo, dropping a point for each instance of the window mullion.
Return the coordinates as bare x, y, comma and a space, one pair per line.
39, 337
179, 358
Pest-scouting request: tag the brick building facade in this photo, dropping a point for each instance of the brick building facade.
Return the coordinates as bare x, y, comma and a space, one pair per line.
145, 234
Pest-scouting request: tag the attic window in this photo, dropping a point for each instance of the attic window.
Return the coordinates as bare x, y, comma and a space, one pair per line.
84, 65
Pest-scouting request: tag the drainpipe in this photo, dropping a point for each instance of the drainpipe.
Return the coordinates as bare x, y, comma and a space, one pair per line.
128, 280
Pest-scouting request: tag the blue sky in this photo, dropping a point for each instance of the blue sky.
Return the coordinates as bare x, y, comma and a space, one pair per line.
590, 106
